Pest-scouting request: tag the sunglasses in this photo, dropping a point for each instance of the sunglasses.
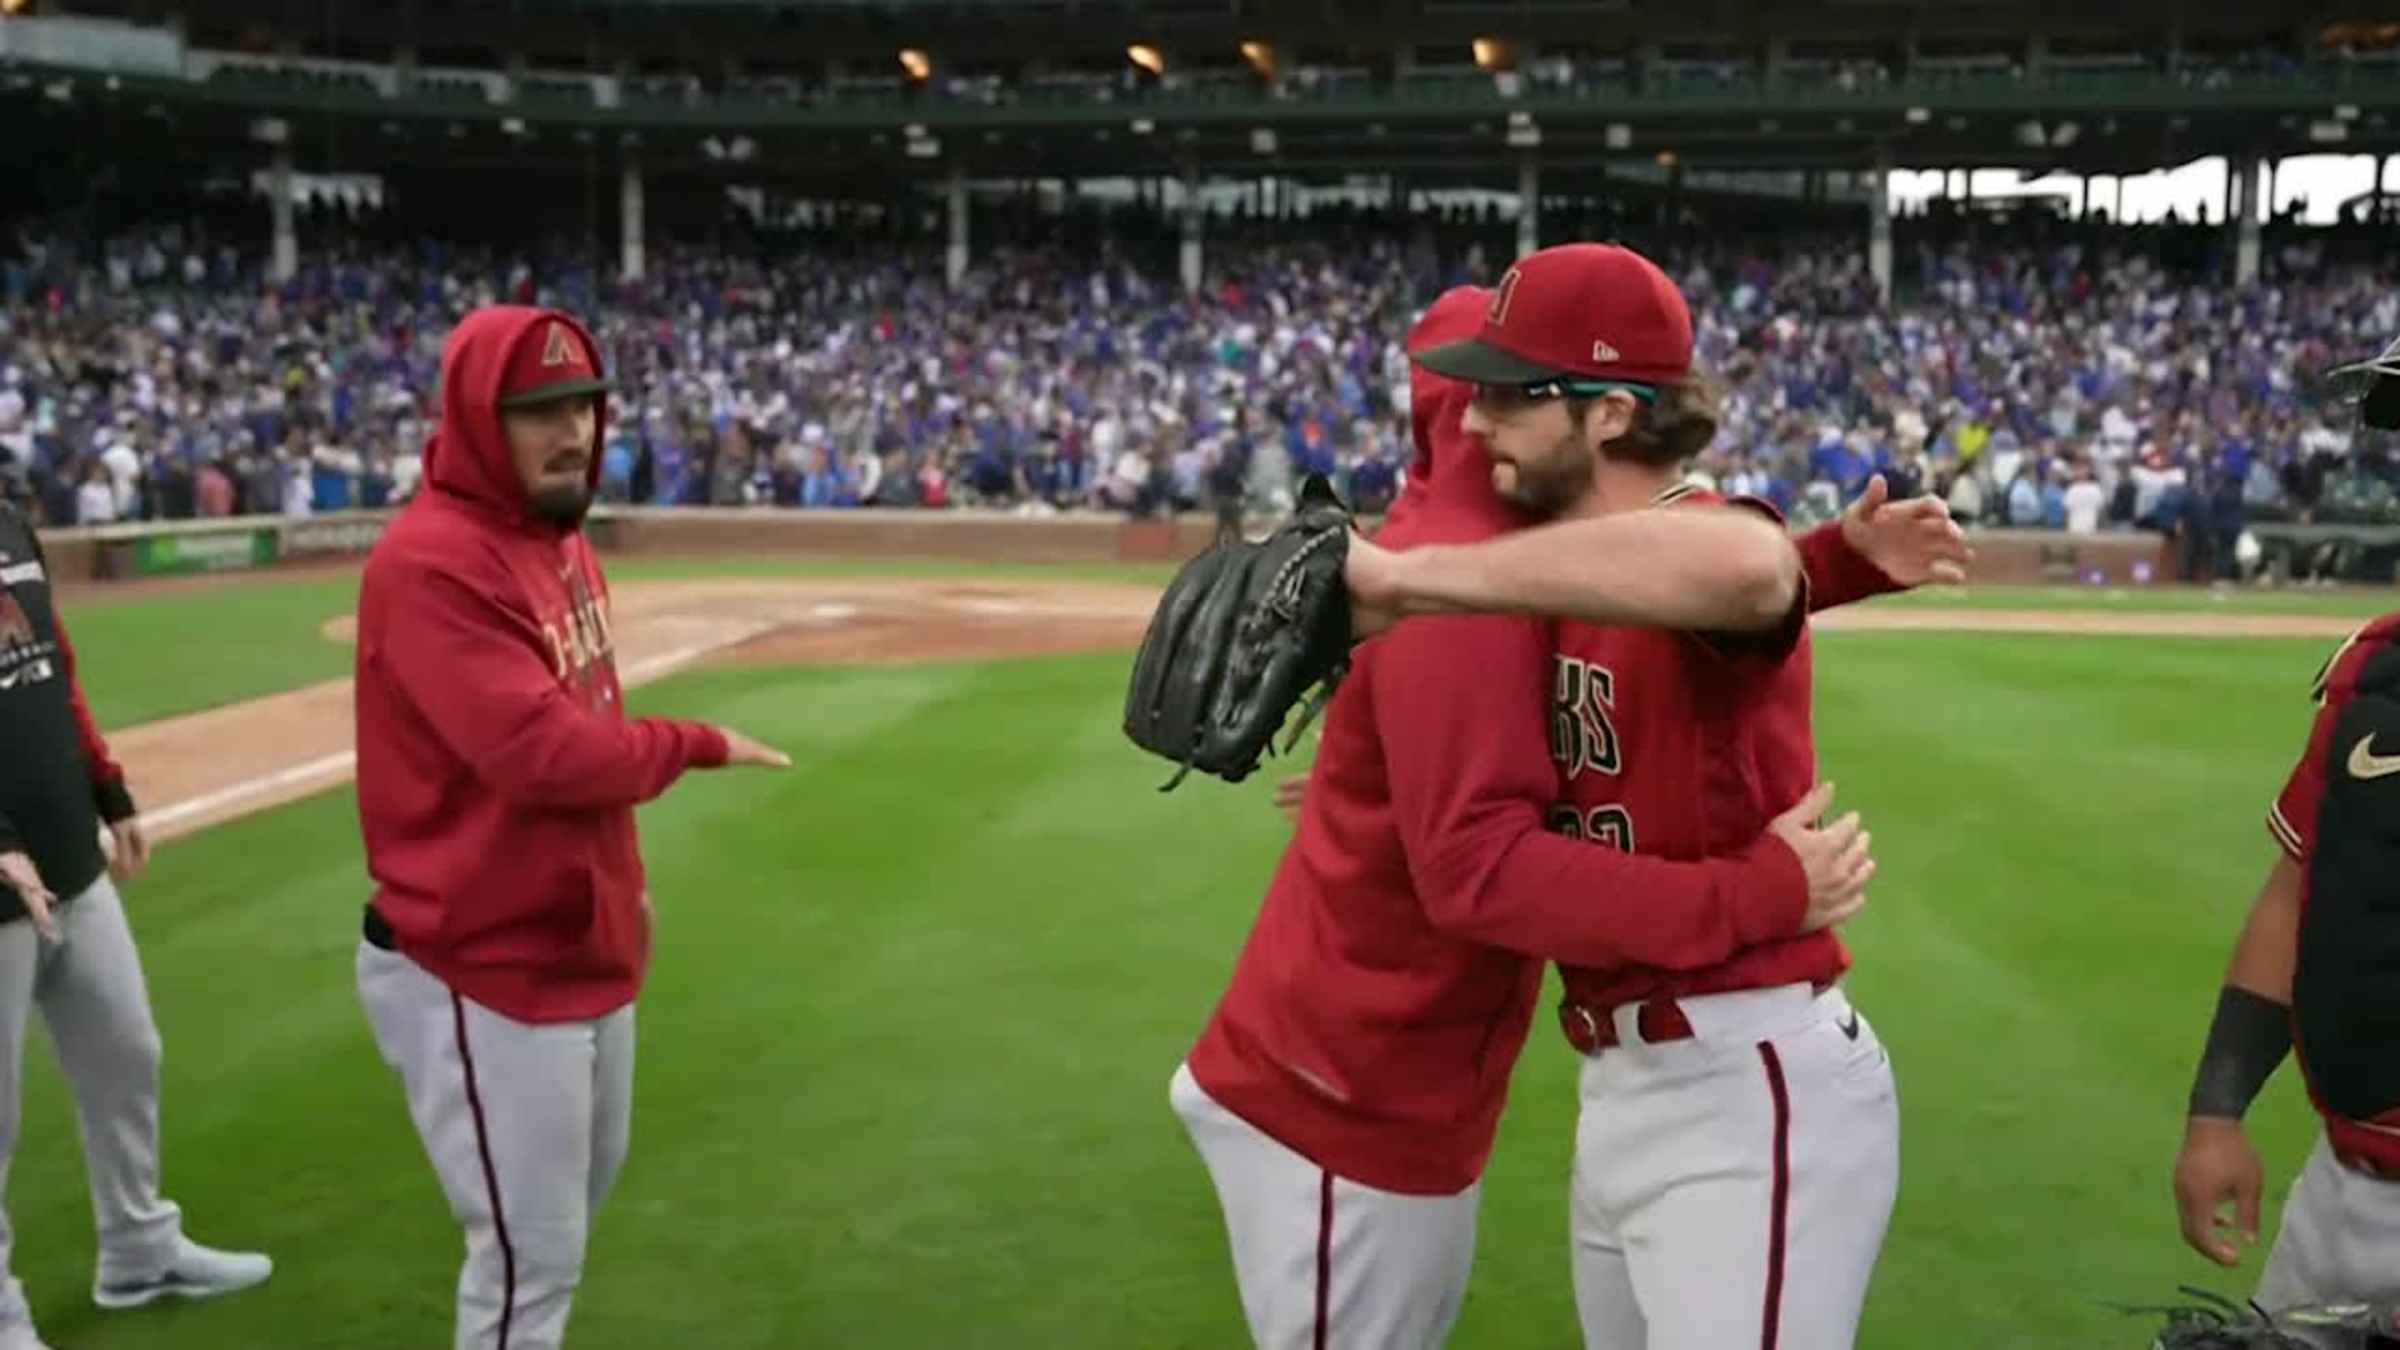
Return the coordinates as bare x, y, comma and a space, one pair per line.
1505, 396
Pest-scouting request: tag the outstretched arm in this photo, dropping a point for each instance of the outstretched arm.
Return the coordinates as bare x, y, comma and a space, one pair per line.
1880, 546
1697, 568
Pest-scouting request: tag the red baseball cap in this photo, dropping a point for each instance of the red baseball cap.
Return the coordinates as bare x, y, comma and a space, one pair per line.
1576, 312
551, 363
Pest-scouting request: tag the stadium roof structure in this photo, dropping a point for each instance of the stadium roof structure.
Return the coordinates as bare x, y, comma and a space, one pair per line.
812, 94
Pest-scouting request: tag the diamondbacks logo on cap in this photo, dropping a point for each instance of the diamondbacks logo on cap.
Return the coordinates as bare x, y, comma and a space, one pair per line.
1502, 294
559, 348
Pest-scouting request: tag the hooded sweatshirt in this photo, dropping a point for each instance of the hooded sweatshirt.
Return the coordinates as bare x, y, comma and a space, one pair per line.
497, 771
1389, 982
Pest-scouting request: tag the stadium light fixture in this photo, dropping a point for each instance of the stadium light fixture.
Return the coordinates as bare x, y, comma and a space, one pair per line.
916, 63
1147, 57
1261, 58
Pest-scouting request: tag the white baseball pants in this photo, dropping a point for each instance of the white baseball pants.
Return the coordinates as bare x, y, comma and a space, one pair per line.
92, 998
1322, 1262
526, 1125
2337, 1243
1731, 1189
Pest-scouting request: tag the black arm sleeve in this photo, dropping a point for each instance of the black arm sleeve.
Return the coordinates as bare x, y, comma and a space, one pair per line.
2246, 1042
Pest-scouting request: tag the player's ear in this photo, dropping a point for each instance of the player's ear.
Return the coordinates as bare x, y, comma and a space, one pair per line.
1604, 420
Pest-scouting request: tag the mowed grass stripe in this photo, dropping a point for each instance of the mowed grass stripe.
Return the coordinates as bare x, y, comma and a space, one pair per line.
977, 981
2068, 834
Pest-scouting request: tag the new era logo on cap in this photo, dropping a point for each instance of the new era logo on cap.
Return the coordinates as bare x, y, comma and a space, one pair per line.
560, 365
1576, 311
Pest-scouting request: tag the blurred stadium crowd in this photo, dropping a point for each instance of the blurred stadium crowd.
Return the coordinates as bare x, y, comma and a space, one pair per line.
2035, 372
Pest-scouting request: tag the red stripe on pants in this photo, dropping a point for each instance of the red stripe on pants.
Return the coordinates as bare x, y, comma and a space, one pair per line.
1771, 1320
491, 1178
1324, 1255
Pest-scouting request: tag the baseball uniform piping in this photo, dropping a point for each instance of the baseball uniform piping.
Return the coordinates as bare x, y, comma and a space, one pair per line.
1324, 1255
491, 1178
1771, 1318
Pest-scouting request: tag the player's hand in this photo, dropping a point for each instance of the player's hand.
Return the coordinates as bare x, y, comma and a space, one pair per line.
17, 872
1373, 575
1834, 856
740, 749
1914, 541
1288, 794
2217, 1165
132, 849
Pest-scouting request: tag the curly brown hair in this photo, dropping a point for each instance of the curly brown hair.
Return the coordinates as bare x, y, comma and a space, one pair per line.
1671, 429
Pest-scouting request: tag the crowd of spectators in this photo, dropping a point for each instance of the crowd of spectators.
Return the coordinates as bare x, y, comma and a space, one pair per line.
2037, 374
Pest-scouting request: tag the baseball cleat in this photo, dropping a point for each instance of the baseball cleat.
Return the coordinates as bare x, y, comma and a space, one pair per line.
196, 1272
21, 1336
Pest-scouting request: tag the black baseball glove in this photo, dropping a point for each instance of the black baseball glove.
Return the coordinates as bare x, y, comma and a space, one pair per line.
2218, 1323
1243, 632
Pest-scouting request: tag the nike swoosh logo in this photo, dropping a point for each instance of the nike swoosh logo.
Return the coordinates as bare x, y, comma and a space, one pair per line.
2365, 763
1849, 1026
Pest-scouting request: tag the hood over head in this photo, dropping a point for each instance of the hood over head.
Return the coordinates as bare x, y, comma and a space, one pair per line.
1451, 475
519, 354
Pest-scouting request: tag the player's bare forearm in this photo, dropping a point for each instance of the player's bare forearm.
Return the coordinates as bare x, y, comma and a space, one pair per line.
2269, 946
1710, 569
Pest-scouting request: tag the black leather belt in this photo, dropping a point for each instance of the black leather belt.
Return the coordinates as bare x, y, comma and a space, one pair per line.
377, 932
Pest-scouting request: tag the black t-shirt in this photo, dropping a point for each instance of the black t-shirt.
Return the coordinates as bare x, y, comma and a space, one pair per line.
47, 804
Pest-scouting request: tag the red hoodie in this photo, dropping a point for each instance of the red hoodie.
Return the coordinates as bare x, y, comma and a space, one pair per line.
497, 771
1389, 982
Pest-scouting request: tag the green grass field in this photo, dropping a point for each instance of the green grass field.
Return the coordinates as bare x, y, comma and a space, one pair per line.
906, 1046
